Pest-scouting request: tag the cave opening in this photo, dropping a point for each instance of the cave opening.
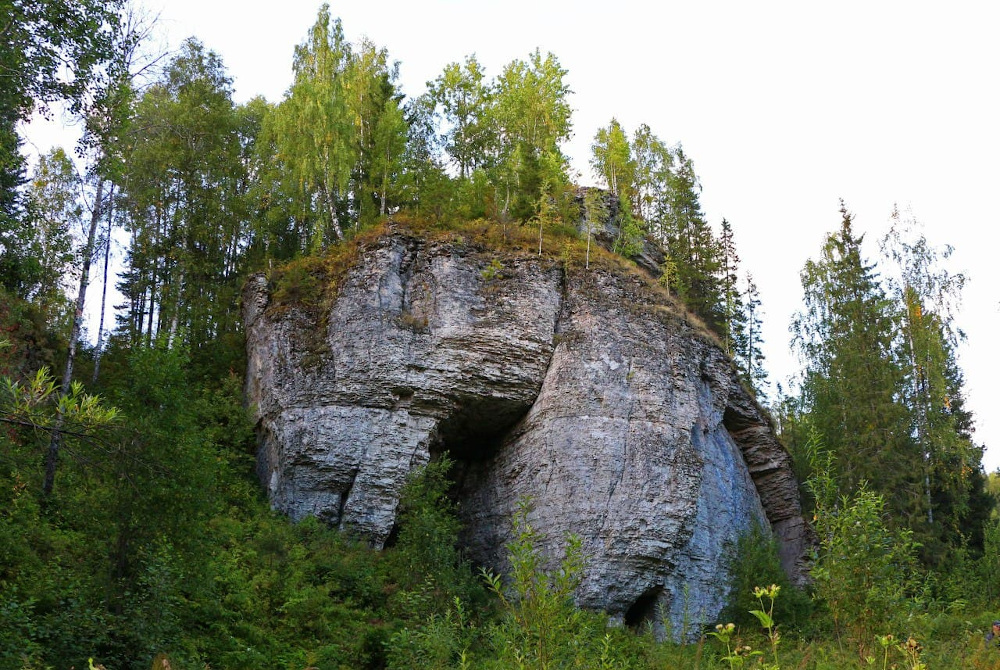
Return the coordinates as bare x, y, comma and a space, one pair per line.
643, 610
470, 437
473, 435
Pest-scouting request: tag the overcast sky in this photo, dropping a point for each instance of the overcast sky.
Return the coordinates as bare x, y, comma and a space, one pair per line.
785, 107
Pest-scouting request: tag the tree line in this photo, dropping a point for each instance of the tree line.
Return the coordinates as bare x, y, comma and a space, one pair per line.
131, 528
881, 384
659, 197
207, 190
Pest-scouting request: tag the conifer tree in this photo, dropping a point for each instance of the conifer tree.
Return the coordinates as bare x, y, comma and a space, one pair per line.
729, 260
690, 246
748, 339
845, 337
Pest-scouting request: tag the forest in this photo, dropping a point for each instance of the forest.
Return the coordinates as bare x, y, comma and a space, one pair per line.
133, 530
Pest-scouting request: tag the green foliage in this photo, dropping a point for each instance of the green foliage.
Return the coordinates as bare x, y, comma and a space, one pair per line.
765, 617
54, 204
595, 211
631, 234
287, 594
746, 327
852, 378
158, 545
540, 627
110, 565
333, 150
987, 580
426, 557
883, 387
940, 427
439, 643
465, 97
533, 117
659, 196
182, 201
612, 159
37, 404
690, 244
503, 138
30, 342
754, 560
42, 41
735, 656
865, 571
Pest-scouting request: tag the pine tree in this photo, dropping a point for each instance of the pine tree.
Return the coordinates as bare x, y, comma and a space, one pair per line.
732, 302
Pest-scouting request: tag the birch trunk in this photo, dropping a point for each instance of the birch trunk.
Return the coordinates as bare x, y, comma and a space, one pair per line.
55, 442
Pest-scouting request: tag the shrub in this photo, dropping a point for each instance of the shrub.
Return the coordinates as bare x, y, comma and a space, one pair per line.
425, 564
865, 569
540, 626
753, 561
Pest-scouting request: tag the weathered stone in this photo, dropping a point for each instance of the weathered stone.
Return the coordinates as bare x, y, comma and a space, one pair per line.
585, 392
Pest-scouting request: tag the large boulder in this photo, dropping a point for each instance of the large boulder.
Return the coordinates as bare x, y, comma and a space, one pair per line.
587, 393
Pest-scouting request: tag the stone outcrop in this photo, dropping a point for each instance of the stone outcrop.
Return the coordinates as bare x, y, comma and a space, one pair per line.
586, 392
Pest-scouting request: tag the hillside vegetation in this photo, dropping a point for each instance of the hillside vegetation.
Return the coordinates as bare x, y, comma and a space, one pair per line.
133, 531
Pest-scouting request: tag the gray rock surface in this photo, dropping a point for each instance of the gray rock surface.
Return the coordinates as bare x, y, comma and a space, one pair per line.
585, 392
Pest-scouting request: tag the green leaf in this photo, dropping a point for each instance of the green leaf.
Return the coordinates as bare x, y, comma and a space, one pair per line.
764, 618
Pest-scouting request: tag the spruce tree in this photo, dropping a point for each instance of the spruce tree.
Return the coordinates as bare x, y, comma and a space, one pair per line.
691, 248
748, 339
852, 377
729, 261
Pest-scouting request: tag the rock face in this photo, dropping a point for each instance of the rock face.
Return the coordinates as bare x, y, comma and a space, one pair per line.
583, 391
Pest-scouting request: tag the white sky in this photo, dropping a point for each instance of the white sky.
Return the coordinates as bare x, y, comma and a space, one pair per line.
785, 107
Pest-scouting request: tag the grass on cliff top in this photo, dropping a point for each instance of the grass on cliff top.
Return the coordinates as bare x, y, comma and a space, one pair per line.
312, 283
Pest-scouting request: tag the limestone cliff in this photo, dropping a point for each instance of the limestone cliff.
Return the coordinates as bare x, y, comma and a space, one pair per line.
583, 390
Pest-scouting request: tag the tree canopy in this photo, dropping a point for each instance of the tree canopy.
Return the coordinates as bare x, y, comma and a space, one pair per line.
154, 543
